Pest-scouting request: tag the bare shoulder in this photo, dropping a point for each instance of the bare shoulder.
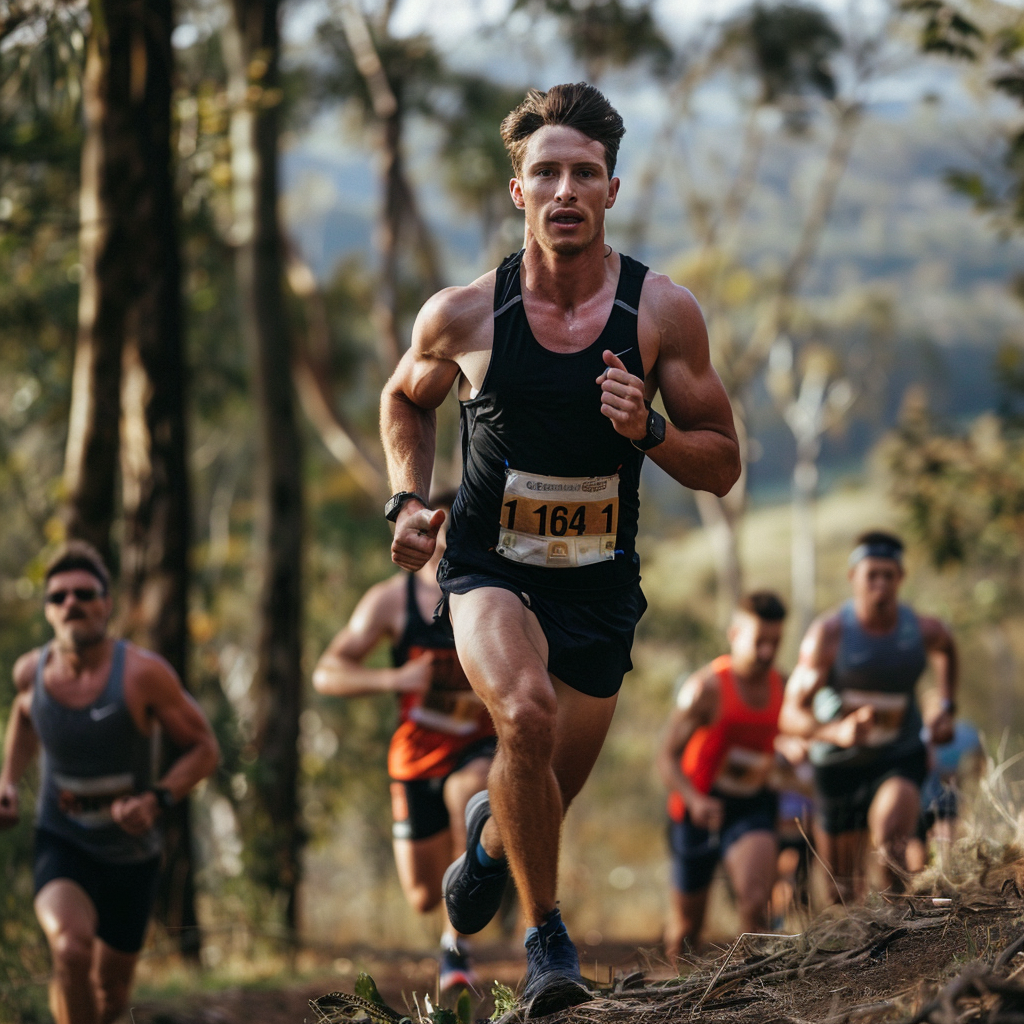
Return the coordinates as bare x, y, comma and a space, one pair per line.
149, 673
934, 631
456, 320
699, 695
822, 638
25, 669
671, 317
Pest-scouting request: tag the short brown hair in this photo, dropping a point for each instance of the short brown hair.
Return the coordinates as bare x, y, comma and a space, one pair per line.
578, 106
78, 554
764, 604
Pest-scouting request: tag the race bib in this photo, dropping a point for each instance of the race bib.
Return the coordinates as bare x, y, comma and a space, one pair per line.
744, 772
558, 522
889, 711
87, 801
449, 705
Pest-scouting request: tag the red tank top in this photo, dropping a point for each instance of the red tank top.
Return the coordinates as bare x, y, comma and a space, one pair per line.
734, 754
434, 727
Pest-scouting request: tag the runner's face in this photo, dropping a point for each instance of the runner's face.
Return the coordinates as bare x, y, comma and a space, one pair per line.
79, 620
876, 581
564, 189
754, 643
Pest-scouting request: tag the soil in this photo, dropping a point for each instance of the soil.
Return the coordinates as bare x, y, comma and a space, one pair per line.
952, 954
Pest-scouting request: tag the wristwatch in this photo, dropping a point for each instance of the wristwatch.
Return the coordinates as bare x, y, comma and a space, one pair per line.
655, 430
396, 501
164, 797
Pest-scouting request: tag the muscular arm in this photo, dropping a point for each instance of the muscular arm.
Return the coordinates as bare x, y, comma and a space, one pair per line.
20, 740
447, 326
696, 706
154, 686
817, 654
340, 672
700, 450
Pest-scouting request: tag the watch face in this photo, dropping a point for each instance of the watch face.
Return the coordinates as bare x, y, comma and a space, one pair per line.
656, 426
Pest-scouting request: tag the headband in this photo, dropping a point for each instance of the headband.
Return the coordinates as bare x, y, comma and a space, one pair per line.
876, 549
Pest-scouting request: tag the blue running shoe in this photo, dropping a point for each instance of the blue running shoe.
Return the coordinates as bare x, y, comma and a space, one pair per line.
456, 970
472, 892
553, 981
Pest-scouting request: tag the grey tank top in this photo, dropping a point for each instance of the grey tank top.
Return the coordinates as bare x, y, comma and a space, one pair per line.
90, 757
880, 670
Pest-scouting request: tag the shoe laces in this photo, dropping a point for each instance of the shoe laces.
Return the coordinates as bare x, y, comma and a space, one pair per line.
550, 948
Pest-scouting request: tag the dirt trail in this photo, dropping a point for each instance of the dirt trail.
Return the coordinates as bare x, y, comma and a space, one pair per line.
399, 975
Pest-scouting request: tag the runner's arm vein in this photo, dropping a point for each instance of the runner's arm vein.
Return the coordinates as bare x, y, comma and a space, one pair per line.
701, 450
420, 383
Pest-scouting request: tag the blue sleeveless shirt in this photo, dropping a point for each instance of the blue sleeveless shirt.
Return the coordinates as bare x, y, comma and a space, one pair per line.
880, 670
90, 757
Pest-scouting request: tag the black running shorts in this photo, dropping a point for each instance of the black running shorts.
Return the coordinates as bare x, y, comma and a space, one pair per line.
417, 805
845, 792
590, 636
696, 851
123, 894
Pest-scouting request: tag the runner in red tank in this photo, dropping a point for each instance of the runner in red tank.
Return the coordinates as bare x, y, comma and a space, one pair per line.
442, 749
716, 761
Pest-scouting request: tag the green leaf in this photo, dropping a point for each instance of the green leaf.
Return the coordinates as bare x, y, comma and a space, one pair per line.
366, 988
464, 1008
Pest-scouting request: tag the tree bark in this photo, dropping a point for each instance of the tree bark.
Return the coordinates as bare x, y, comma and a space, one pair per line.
129, 358
252, 50
110, 178
154, 470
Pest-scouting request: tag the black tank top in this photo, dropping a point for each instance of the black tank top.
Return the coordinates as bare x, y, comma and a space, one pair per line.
537, 504
418, 633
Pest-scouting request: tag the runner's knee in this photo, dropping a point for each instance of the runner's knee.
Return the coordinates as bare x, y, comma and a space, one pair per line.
528, 723
72, 950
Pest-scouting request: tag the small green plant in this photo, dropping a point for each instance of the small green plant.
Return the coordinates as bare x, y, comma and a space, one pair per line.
504, 1000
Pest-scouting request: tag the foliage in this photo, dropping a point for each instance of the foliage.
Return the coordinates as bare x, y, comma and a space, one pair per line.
989, 35
963, 494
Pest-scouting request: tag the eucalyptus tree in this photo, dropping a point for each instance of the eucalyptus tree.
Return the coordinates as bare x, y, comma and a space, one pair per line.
251, 43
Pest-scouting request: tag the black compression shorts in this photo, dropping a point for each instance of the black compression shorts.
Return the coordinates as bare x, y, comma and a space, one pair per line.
696, 851
417, 805
845, 792
123, 894
589, 637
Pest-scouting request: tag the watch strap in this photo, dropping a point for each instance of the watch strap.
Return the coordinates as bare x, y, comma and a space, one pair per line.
656, 426
164, 797
396, 501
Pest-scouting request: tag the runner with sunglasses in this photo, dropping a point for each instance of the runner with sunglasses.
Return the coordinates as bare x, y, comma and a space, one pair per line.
91, 704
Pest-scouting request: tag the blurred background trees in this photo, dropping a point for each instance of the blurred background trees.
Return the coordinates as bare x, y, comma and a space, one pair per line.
216, 225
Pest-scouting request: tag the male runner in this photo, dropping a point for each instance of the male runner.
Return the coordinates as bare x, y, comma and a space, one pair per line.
716, 761
557, 354
853, 694
444, 743
92, 704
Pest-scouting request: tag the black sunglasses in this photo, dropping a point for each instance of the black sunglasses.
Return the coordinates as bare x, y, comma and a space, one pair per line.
82, 594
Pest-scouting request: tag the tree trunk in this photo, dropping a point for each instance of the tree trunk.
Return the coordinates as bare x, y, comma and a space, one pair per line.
802, 547
154, 471
109, 182
251, 46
